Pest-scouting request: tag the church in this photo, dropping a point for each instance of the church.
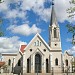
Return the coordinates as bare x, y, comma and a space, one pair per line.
39, 56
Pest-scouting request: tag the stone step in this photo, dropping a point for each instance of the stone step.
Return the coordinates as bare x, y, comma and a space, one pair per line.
7, 74
43, 74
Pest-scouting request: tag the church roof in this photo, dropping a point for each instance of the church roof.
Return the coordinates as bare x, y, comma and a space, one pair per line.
9, 54
22, 48
69, 54
1, 63
53, 16
38, 35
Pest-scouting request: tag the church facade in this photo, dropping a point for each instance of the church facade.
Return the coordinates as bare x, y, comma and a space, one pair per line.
39, 56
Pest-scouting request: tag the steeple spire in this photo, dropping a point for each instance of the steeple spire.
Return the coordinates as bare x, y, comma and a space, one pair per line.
53, 15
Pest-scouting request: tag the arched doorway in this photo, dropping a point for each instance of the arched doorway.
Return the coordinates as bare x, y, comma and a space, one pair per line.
56, 61
66, 61
38, 63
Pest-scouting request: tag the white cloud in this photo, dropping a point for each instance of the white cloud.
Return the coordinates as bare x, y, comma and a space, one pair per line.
72, 50
60, 8
11, 44
38, 7
3, 6
15, 13
69, 40
24, 29
28, 5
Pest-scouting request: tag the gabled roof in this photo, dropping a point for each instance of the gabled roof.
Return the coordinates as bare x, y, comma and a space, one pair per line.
38, 35
1, 63
68, 54
22, 48
39, 51
9, 54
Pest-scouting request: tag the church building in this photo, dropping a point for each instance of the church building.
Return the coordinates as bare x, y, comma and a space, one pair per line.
39, 56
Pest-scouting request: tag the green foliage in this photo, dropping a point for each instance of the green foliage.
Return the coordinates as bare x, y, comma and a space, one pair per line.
1, 1
71, 10
1, 33
71, 27
72, 2
73, 63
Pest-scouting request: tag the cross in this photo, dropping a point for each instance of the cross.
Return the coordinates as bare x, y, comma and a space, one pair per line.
52, 2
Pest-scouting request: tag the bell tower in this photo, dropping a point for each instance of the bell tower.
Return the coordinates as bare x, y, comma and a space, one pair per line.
54, 32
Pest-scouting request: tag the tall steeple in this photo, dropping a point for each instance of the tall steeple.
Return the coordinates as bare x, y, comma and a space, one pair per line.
53, 15
54, 31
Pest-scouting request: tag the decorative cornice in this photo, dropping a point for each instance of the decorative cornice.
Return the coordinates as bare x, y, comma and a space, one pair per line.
55, 50
9, 54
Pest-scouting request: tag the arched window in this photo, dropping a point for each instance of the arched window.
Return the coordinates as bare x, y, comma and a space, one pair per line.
9, 62
56, 62
19, 62
38, 63
37, 43
66, 62
47, 65
40, 43
34, 43
55, 33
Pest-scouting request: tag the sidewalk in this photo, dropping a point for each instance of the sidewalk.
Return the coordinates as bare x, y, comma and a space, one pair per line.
7, 74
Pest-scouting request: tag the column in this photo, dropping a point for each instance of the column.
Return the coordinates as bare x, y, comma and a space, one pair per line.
24, 63
31, 64
34, 63
13, 64
44, 65
49, 63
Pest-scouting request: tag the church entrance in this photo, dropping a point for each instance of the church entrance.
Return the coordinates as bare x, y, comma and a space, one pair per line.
38, 63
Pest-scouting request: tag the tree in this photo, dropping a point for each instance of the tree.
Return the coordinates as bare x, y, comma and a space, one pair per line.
71, 27
1, 33
1, 1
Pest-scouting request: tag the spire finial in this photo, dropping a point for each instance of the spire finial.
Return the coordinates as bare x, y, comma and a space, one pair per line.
52, 2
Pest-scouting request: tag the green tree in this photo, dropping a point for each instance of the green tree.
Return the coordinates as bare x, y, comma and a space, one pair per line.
71, 27
1, 1
1, 33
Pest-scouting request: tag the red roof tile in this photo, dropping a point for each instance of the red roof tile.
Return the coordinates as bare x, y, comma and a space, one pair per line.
1, 63
22, 48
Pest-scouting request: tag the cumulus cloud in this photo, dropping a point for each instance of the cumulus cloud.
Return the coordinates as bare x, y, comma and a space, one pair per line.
24, 29
11, 44
37, 6
71, 50
69, 40
15, 13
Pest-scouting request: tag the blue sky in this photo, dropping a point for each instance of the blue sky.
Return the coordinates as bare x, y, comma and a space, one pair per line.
22, 19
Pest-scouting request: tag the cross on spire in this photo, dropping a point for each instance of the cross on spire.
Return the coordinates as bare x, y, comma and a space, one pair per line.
52, 2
